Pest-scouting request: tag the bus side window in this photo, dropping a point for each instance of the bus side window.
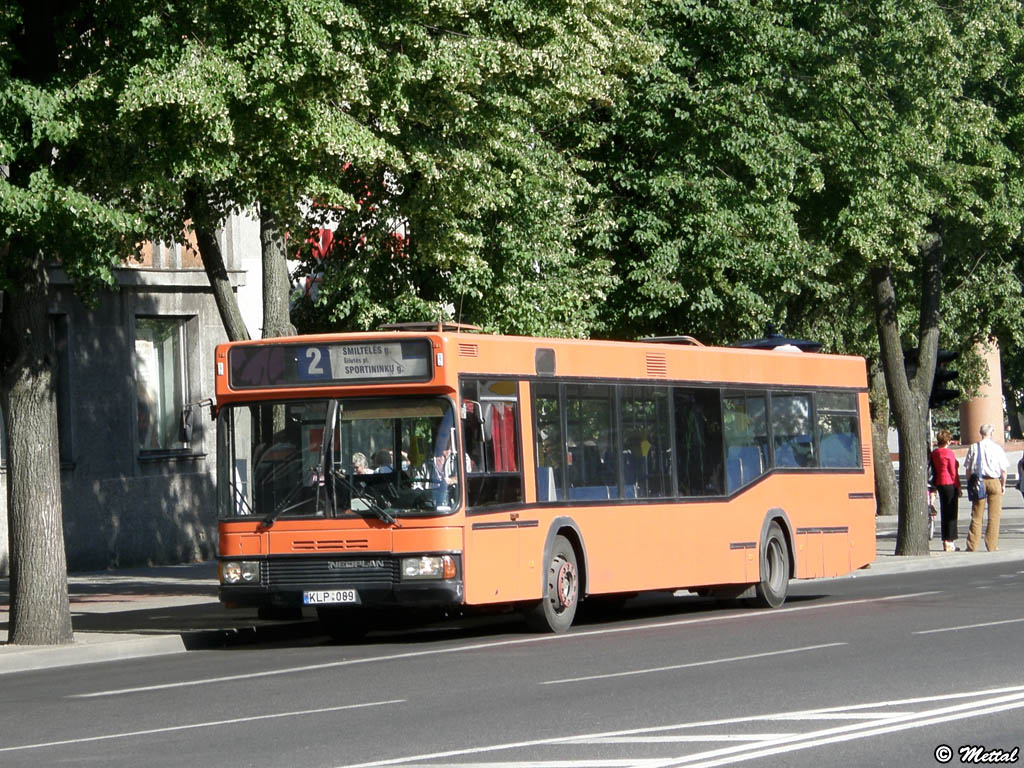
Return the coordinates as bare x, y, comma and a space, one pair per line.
593, 446
745, 429
549, 449
490, 439
837, 429
646, 444
792, 434
698, 417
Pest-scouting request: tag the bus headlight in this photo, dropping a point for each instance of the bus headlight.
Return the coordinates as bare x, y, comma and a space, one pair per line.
240, 572
428, 567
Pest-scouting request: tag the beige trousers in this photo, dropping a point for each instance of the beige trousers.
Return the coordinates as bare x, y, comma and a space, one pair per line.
994, 499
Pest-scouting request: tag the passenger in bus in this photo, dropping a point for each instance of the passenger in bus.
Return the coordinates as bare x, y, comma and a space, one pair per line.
382, 461
635, 465
359, 464
444, 475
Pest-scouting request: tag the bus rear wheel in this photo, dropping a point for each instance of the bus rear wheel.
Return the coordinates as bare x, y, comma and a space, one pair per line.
771, 590
557, 608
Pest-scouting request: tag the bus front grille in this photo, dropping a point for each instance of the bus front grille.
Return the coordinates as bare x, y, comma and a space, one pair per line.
329, 571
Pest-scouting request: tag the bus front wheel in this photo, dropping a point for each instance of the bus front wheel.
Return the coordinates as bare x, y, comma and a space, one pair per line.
771, 591
557, 608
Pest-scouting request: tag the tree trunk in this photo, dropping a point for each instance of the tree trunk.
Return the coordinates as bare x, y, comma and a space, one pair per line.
885, 477
204, 222
40, 614
276, 295
276, 285
909, 396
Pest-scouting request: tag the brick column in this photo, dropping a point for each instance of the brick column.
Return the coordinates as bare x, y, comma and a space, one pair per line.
987, 405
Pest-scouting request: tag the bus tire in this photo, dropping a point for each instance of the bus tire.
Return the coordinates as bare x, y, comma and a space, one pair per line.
771, 590
557, 608
344, 625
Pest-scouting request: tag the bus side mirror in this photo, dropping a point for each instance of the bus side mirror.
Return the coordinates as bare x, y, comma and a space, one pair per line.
186, 424
188, 418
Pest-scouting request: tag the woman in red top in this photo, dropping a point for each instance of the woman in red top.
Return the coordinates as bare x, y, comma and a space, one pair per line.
947, 482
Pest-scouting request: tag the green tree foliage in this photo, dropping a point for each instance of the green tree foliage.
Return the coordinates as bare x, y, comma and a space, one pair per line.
127, 121
701, 165
920, 179
850, 171
57, 200
477, 101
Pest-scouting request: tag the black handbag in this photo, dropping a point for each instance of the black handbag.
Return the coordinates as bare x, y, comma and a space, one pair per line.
975, 490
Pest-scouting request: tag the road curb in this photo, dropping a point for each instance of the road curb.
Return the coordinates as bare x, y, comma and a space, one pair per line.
88, 647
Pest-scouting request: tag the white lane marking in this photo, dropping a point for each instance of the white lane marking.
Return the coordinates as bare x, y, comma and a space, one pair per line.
968, 626
497, 644
191, 726
688, 738
692, 664
585, 738
609, 763
839, 716
730, 755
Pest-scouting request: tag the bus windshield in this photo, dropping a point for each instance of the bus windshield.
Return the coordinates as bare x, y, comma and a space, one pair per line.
370, 457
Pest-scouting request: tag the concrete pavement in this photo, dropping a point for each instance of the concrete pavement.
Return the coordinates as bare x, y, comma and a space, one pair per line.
171, 609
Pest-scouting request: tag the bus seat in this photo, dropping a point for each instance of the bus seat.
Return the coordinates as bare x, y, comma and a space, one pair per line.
838, 451
588, 492
743, 465
546, 488
785, 456
733, 472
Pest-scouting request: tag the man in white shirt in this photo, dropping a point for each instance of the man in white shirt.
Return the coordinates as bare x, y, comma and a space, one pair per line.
987, 459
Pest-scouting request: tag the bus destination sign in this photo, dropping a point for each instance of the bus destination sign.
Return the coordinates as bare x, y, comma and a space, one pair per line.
328, 363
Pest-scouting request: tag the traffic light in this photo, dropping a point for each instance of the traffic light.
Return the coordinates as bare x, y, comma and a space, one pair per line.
942, 394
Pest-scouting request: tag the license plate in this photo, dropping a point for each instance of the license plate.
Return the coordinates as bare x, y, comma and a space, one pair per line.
324, 596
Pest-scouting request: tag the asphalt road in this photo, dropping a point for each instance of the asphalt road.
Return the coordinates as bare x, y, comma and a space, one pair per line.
855, 671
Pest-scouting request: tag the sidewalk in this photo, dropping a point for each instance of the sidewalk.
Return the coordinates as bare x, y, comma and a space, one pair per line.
171, 609
1011, 541
139, 612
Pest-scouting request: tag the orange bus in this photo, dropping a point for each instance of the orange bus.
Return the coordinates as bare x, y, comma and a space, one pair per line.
438, 467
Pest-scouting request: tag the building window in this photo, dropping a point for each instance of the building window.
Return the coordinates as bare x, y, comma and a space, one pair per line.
160, 381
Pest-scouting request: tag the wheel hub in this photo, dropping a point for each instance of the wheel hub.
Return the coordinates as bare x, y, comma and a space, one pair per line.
565, 585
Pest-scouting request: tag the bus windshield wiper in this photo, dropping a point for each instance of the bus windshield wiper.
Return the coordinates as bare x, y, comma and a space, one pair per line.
364, 494
284, 505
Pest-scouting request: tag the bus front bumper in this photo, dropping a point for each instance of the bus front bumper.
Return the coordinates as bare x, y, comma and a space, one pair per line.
383, 595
